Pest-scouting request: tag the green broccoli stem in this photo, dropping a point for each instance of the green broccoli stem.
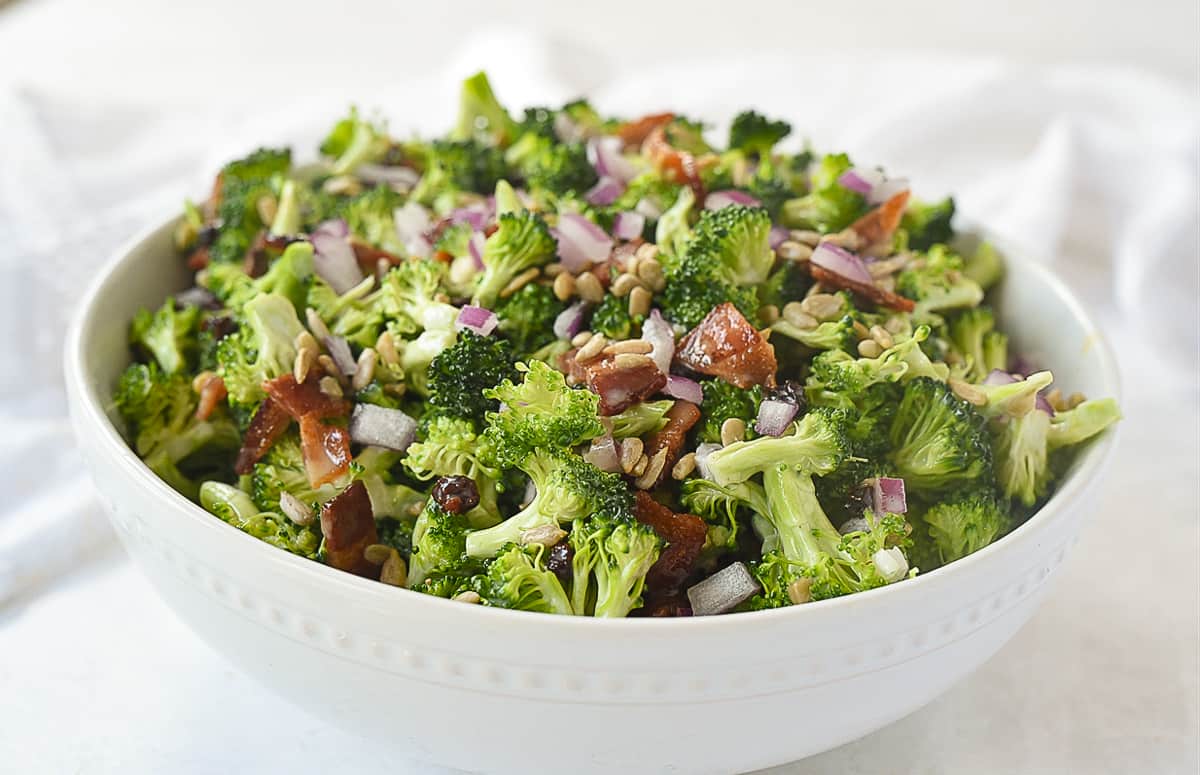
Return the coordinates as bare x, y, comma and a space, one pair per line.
487, 542
805, 533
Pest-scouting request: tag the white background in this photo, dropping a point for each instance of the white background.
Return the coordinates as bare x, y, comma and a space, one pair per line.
97, 677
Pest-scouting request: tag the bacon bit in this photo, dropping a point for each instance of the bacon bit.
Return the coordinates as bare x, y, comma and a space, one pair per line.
444, 256
635, 132
618, 387
326, 450
491, 229
684, 534
348, 525
622, 254
881, 223
267, 425
368, 255
212, 393
678, 165
868, 291
725, 345
660, 606
305, 398
198, 259
680, 419
603, 273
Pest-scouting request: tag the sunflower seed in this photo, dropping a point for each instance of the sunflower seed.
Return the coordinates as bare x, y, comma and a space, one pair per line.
823, 306
800, 591
793, 312
631, 361
306, 358
580, 339
635, 346
624, 284
654, 469
330, 387
790, 250
546, 535
520, 281
470, 596
386, 347
967, 392
684, 466
769, 313
377, 554
639, 302
806, 237
588, 286
366, 369
564, 286
647, 251
869, 348
631, 452
592, 349
650, 272
394, 571
880, 335
733, 429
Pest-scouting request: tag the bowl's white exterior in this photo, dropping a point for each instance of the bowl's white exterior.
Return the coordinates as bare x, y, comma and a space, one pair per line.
501, 691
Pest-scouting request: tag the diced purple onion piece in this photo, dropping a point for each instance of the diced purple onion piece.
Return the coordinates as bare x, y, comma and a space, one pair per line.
997, 377
719, 199
335, 227
860, 179
628, 225
570, 321
339, 351
391, 175
475, 215
841, 262
603, 454
723, 591
478, 320
294, 509
581, 243
661, 336
777, 235
605, 192
886, 190
605, 156
334, 262
774, 417
379, 426
475, 248
1041, 402
684, 389
412, 226
889, 497
891, 564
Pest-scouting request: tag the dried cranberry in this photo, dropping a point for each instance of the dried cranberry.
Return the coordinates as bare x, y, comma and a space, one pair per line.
559, 559
220, 326
456, 494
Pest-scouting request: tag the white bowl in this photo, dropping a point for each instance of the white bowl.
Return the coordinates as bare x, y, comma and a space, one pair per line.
503, 691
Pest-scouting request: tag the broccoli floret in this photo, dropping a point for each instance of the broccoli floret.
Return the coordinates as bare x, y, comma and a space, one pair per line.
966, 524
419, 354
939, 284
673, 231
459, 166
288, 217
371, 215
541, 413
409, 293
547, 164
289, 276
652, 191
612, 553
1077, 425
262, 349
438, 560
159, 414
740, 236
830, 335
480, 114
612, 319
452, 447
169, 335
829, 206
1015, 399
238, 509
537, 121
584, 118
787, 283
696, 283
354, 141
460, 375
723, 401
358, 315
396, 533
282, 470
242, 183
517, 578
756, 134
840, 380
984, 266
928, 224
641, 418
527, 318
939, 441
521, 240
816, 444
969, 330
724, 510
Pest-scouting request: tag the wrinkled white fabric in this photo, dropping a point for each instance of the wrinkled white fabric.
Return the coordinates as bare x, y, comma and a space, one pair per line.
1094, 169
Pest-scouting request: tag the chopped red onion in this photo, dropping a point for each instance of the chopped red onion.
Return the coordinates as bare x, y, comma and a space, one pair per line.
412, 226
294, 509
475, 215
891, 564
888, 496
581, 243
886, 190
339, 351
777, 236
605, 155
477, 320
570, 321
628, 225
475, 248
841, 262
774, 417
603, 454
661, 336
334, 262
684, 389
719, 199
336, 227
860, 179
997, 377
379, 426
405, 177
605, 192
702, 453
1041, 402
723, 591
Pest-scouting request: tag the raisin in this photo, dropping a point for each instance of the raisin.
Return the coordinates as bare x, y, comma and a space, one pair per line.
456, 494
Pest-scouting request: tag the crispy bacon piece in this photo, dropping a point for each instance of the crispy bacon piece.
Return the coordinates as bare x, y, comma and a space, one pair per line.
725, 345
635, 132
620, 387
368, 255
659, 606
305, 398
212, 392
868, 291
267, 425
881, 223
325, 448
348, 525
680, 419
684, 534
679, 165
198, 259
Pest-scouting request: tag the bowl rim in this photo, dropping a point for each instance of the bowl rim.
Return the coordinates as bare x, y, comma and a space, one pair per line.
82, 393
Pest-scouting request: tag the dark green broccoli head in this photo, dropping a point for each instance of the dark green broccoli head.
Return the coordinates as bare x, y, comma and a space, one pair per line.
560, 168
968, 331
262, 349
370, 215
723, 401
170, 336
465, 165
964, 524
527, 318
612, 318
740, 238
756, 134
696, 283
938, 283
460, 376
540, 413
517, 578
282, 470
928, 224
828, 206
939, 441
439, 550
243, 182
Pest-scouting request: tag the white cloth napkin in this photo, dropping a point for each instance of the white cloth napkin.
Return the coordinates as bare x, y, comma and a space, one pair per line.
1094, 168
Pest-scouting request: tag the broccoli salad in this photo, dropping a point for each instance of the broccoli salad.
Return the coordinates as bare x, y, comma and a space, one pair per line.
560, 362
